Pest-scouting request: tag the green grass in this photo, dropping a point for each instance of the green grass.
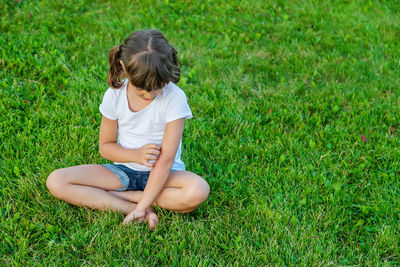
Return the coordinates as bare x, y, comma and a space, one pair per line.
282, 95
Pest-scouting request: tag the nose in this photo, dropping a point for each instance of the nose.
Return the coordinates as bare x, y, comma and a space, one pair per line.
150, 95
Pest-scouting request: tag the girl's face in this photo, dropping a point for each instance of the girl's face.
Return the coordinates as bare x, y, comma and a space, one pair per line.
143, 94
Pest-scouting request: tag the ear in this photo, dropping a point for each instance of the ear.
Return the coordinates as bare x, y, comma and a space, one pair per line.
122, 64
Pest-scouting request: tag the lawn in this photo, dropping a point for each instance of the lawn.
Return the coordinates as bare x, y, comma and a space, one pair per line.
296, 128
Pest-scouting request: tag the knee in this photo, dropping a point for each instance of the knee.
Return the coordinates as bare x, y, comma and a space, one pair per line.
197, 193
55, 182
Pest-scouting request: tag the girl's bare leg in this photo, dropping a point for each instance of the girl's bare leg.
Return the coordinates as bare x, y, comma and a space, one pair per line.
89, 186
183, 192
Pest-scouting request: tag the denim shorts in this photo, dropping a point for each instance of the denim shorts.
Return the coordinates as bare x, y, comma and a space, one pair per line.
129, 178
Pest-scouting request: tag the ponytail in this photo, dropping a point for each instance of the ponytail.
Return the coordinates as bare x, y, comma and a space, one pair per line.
116, 71
175, 66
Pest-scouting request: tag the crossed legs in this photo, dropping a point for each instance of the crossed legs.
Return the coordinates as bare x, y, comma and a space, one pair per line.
93, 186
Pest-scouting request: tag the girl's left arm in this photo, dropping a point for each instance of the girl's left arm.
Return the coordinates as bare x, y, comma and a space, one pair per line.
159, 173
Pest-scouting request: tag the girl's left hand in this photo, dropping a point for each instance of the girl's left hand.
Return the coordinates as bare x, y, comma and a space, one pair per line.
138, 215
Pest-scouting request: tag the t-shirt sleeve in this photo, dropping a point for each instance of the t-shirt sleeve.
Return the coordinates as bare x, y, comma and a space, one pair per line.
108, 106
177, 107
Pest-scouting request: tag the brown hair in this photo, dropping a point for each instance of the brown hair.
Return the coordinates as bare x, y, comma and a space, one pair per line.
150, 61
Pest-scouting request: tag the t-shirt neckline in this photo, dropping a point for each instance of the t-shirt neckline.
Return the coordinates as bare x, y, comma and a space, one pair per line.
127, 102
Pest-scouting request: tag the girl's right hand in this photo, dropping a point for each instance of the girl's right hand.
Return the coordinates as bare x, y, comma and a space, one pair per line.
148, 154
136, 215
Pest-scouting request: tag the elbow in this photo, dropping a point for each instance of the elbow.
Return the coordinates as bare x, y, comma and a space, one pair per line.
102, 150
101, 153
106, 151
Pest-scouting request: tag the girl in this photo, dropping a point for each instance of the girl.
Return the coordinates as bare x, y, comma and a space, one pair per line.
146, 112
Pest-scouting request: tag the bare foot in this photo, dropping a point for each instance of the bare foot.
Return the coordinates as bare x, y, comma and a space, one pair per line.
151, 218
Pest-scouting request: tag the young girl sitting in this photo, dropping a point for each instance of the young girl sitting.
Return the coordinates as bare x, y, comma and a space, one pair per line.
147, 112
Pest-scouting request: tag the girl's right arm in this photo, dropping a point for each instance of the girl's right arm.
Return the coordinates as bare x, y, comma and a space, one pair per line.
110, 150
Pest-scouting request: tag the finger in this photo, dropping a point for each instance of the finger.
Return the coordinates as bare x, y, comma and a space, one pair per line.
151, 157
139, 219
153, 146
128, 219
154, 152
148, 164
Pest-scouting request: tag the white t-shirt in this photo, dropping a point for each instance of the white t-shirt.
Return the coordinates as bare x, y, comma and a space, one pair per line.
146, 126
